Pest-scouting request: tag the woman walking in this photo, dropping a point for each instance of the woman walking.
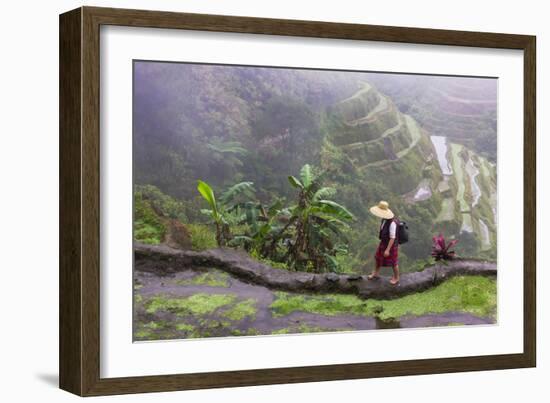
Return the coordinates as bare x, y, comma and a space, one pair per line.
387, 254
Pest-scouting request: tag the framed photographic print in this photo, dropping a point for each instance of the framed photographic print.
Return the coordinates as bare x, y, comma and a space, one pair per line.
249, 201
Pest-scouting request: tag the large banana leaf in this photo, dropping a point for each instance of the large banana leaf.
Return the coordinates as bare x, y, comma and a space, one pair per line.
295, 182
275, 208
225, 147
331, 207
306, 175
333, 264
242, 188
252, 217
206, 191
239, 240
323, 193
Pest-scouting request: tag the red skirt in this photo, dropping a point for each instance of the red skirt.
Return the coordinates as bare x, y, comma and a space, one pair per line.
392, 259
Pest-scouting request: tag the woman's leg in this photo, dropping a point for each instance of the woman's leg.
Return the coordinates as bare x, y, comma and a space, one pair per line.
376, 272
395, 279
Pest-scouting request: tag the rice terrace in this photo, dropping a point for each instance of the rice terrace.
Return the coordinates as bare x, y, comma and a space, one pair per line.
254, 192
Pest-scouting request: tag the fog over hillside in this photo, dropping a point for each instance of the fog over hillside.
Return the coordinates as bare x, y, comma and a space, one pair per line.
425, 144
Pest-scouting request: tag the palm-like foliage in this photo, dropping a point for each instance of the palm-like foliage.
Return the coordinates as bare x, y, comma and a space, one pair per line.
226, 154
307, 236
265, 227
227, 147
226, 211
319, 224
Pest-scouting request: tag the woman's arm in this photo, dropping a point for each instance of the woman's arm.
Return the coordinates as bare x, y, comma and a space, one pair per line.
393, 228
390, 244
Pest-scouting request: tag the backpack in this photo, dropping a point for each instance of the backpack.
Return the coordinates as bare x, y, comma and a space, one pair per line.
402, 232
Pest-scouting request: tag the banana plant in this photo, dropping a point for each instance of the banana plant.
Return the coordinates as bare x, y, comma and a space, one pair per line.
319, 223
226, 211
265, 225
307, 236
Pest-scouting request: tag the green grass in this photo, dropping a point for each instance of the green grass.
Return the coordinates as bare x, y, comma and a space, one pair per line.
204, 328
470, 294
198, 304
202, 236
330, 304
475, 295
214, 278
200, 315
144, 334
185, 327
227, 306
154, 331
241, 310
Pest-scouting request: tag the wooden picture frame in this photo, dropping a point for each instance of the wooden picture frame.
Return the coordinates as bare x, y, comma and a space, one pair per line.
79, 346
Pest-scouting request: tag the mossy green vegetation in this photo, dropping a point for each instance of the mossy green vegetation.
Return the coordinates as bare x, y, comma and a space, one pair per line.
197, 304
475, 295
148, 227
241, 310
201, 305
203, 236
161, 202
185, 327
199, 315
217, 315
330, 304
154, 330
212, 278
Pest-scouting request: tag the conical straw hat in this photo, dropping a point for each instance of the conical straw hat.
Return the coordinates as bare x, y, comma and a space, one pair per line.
382, 210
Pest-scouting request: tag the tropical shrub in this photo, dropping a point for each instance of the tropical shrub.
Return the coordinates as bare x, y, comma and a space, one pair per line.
161, 203
318, 225
309, 235
148, 228
202, 236
441, 250
226, 211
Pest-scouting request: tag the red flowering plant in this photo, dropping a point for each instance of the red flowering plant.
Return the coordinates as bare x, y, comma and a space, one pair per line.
441, 250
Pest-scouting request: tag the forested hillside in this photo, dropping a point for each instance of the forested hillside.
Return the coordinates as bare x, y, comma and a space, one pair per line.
427, 146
